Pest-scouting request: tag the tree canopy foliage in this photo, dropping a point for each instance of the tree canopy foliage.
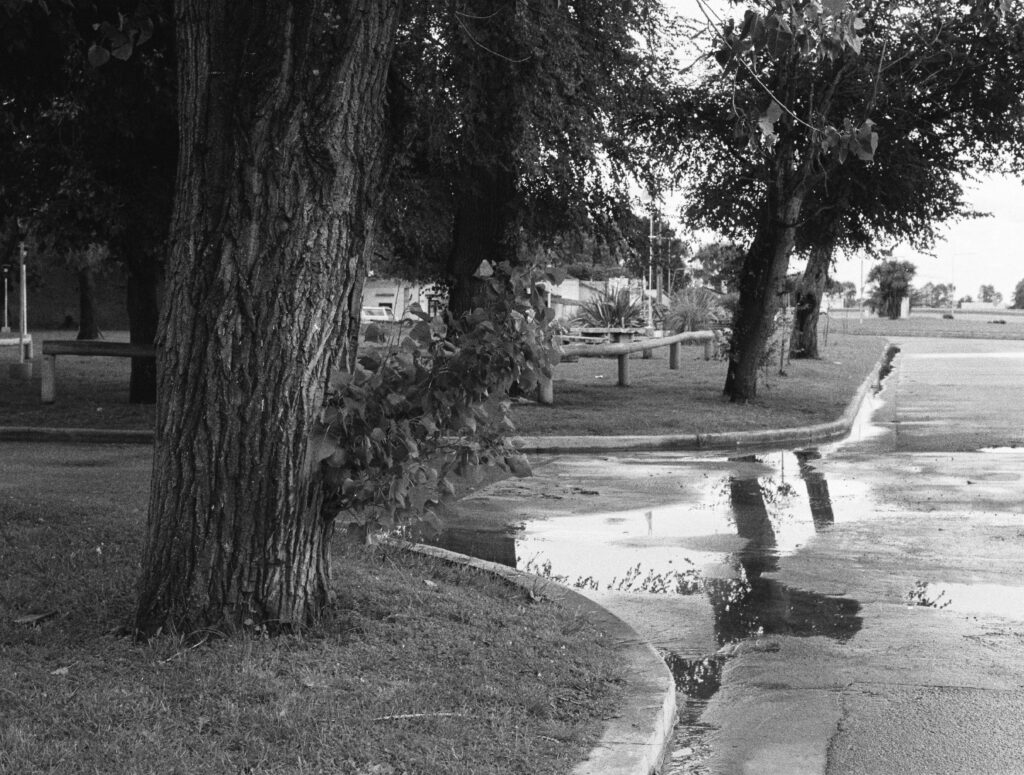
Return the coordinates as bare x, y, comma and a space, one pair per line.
87, 153
828, 127
892, 285
511, 130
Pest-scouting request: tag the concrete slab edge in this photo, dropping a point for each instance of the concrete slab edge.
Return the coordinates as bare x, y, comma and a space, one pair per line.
807, 434
76, 435
634, 743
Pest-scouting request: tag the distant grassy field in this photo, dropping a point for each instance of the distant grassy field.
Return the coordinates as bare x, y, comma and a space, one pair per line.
962, 326
93, 392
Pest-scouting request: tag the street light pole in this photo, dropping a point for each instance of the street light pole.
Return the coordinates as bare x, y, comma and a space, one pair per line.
23, 328
862, 289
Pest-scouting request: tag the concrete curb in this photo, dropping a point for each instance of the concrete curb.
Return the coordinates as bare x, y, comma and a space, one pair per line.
635, 742
726, 440
76, 435
550, 444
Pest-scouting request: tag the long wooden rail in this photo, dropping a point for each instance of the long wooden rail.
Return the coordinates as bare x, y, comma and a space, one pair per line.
54, 347
622, 350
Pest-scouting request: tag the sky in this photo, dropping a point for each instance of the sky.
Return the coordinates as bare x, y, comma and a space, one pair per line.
975, 252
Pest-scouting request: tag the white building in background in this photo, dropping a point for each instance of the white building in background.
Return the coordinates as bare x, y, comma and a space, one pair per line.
565, 298
399, 295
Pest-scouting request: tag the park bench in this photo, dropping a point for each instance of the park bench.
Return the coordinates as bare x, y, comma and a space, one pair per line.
54, 347
621, 350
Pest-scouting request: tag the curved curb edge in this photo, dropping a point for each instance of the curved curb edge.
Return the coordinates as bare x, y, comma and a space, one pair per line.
635, 742
725, 440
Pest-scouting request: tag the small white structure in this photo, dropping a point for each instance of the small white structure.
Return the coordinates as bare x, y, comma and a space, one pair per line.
399, 295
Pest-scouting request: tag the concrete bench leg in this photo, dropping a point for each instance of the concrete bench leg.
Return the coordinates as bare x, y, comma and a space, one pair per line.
546, 390
708, 350
48, 392
673, 356
623, 370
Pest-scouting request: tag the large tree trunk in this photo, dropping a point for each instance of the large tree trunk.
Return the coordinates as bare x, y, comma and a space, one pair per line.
88, 325
762, 284
280, 164
804, 341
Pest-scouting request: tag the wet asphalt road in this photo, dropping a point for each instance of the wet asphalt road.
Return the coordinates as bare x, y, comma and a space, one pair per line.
857, 608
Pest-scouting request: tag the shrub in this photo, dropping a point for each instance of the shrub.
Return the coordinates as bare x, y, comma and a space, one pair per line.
429, 400
612, 309
696, 309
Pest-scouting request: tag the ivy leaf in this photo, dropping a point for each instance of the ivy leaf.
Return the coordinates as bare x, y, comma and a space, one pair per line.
123, 51
519, 465
98, 56
374, 334
834, 7
767, 121
145, 31
421, 332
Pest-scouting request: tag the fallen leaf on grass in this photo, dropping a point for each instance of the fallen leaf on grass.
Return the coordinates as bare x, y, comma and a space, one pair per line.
34, 618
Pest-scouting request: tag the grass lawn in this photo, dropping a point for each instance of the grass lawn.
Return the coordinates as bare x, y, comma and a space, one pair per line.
975, 326
91, 392
418, 668
589, 402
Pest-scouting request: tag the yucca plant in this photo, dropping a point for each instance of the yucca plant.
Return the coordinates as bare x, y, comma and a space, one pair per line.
695, 309
612, 309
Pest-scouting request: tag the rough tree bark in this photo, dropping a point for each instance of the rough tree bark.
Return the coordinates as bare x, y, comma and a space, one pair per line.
281, 140
809, 290
763, 276
144, 275
804, 341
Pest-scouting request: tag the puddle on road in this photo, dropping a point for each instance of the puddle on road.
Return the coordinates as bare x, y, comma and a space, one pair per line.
755, 508
979, 599
720, 544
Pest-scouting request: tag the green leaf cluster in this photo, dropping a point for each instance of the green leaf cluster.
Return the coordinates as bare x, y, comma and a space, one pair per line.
430, 399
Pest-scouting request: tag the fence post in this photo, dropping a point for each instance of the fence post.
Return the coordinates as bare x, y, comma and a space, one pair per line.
546, 390
623, 370
673, 356
48, 386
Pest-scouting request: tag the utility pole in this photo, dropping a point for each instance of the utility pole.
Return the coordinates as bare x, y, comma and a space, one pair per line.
650, 271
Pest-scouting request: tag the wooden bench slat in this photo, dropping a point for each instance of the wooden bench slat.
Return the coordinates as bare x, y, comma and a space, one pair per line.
54, 347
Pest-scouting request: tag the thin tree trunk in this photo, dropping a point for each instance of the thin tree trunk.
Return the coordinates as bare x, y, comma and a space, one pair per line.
809, 291
143, 303
483, 230
486, 218
280, 166
88, 325
762, 283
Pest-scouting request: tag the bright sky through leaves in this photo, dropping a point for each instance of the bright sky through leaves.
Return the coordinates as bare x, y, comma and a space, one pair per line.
983, 251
